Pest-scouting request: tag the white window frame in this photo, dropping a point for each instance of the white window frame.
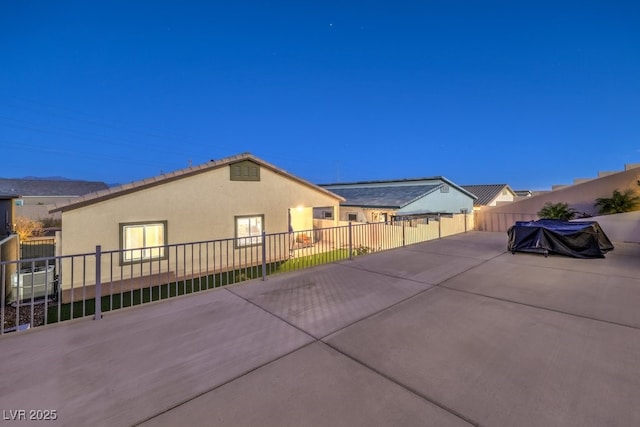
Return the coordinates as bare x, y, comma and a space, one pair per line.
145, 250
248, 230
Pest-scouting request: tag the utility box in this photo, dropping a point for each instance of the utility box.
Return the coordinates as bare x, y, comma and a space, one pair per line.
33, 284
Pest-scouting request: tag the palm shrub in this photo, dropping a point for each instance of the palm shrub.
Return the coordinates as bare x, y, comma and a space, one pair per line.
557, 211
619, 202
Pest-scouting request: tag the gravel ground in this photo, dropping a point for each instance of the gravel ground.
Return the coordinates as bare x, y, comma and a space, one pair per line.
24, 315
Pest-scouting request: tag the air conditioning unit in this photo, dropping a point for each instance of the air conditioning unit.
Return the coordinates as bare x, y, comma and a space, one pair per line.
33, 284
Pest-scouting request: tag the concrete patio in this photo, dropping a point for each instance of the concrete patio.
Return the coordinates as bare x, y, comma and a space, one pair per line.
450, 332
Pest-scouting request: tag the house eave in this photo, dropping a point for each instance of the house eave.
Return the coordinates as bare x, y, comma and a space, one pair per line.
144, 184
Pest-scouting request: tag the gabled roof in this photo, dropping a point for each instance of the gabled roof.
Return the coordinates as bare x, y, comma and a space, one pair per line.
390, 193
133, 187
487, 192
49, 187
384, 197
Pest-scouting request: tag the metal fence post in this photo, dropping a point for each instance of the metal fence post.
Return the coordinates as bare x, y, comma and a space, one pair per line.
350, 242
98, 288
264, 255
404, 221
439, 226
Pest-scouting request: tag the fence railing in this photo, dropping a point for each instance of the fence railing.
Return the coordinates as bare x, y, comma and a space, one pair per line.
53, 289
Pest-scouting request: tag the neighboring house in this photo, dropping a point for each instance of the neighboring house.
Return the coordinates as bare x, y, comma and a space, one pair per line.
380, 201
236, 197
523, 193
490, 194
37, 194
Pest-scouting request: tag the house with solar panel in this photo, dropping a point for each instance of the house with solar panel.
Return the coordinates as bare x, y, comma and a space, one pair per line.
382, 201
491, 194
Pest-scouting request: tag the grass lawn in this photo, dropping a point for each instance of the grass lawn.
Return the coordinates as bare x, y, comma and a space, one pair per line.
188, 286
299, 263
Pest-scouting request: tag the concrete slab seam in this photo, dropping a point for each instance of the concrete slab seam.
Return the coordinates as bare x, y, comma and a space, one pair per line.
405, 387
185, 401
445, 254
580, 316
595, 273
355, 267
271, 314
377, 312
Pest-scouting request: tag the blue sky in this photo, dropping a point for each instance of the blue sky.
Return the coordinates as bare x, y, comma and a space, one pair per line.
519, 92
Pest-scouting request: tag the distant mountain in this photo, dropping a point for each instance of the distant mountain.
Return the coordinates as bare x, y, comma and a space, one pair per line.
49, 178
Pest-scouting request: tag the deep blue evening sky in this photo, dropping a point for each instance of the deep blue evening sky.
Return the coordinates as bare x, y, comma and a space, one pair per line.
528, 93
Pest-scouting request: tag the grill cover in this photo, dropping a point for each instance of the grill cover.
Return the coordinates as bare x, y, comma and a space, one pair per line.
580, 239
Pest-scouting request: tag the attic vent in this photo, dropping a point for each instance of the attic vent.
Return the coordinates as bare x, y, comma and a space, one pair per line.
244, 171
444, 188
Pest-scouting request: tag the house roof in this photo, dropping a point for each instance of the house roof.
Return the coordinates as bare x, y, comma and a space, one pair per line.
49, 187
523, 193
121, 190
384, 197
400, 191
9, 196
487, 192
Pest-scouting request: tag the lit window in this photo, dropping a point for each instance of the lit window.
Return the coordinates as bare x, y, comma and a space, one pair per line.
143, 241
249, 230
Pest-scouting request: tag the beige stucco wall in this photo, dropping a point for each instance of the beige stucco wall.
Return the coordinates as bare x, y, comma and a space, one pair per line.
580, 197
624, 227
197, 208
502, 198
383, 236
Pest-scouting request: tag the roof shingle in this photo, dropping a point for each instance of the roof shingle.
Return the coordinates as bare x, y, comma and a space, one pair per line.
486, 193
49, 188
387, 197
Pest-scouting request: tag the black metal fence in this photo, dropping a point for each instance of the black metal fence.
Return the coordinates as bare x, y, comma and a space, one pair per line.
42, 288
37, 248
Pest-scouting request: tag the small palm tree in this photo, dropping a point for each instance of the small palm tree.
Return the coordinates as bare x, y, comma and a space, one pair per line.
619, 202
557, 211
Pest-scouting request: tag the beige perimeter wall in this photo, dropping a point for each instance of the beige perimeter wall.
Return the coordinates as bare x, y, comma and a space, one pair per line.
581, 197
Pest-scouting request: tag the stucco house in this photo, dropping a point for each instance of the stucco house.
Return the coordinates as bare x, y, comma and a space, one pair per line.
36, 195
491, 194
235, 198
381, 201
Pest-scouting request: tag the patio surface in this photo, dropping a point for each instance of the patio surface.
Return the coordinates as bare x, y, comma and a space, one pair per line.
450, 332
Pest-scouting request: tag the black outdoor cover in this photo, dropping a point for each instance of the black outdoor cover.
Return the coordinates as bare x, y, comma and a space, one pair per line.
580, 239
